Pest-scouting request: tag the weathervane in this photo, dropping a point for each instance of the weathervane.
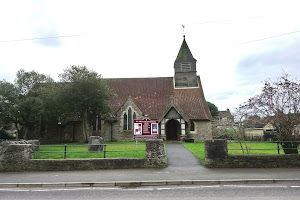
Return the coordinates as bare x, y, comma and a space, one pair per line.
183, 26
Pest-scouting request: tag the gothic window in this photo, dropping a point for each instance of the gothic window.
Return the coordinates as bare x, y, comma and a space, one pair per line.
186, 66
129, 119
97, 124
192, 128
125, 122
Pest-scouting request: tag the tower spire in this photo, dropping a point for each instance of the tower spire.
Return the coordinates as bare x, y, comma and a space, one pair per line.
185, 67
183, 26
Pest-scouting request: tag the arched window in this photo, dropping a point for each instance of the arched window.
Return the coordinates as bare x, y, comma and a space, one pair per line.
97, 124
192, 128
125, 122
129, 119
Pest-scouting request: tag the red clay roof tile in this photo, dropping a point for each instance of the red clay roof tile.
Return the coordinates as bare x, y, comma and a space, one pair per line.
154, 96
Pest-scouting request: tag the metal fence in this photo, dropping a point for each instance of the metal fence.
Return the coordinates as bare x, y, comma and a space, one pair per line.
105, 148
265, 147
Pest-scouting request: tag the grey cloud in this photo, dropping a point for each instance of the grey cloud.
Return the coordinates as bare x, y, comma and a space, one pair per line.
43, 27
48, 37
270, 64
223, 95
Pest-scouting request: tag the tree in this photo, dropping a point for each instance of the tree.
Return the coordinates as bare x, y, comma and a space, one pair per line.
27, 80
21, 103
31, 107
8, 99
213, 109
279, 102
84, 93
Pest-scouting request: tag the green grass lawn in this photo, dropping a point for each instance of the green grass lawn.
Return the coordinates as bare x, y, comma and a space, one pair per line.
197, 149
268, 148
79, 150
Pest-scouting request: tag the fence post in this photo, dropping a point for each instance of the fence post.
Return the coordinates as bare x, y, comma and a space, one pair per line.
136, 145
278, 149
104, 150
65, 154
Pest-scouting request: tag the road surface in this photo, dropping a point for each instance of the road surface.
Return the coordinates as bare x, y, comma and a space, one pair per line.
232, 192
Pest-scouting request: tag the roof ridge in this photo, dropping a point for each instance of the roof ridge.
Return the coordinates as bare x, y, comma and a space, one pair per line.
137, 78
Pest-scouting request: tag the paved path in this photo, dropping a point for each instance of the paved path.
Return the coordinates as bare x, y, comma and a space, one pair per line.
179, 155
182, 165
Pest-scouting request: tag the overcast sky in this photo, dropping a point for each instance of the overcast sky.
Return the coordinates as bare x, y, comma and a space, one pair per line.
237, 43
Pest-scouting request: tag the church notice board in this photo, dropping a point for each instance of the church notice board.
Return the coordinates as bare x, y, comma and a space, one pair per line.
145, 129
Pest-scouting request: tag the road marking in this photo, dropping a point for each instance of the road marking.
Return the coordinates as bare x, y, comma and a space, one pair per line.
145, 188
136, 189
258, 186
189, 187
54, 189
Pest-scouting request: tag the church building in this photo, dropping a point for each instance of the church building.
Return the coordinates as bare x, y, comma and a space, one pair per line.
178, 103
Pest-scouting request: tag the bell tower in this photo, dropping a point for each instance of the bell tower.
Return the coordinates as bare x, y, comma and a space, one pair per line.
185, 68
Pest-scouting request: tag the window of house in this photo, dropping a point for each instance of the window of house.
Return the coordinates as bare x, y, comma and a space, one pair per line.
134, 116
192, 127
186, 67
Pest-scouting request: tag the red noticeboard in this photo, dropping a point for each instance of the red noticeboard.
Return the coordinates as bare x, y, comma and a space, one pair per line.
145, 129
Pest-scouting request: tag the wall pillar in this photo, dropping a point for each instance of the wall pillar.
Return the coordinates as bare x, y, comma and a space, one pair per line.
16, 157
216, 149
215, 152
155, 153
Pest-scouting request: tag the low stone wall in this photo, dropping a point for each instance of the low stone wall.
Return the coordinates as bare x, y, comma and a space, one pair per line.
18, 157
4, 144
216, 156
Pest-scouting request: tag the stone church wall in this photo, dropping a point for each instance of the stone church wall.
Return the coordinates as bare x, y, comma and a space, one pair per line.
203, 131
116, 132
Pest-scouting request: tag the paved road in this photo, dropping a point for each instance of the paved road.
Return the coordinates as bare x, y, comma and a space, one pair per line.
183, 165
272, 192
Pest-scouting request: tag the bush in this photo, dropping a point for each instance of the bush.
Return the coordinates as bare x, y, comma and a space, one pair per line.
228, 134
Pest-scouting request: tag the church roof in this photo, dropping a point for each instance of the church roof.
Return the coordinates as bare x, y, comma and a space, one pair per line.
154, 96
184, 54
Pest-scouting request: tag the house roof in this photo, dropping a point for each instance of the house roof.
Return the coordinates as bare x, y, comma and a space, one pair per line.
184, 53
225, 113
155, 95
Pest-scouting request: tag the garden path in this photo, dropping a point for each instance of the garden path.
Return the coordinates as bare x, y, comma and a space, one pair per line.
179, 155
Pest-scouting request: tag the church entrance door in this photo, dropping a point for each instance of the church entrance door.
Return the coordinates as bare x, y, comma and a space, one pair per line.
173, 129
